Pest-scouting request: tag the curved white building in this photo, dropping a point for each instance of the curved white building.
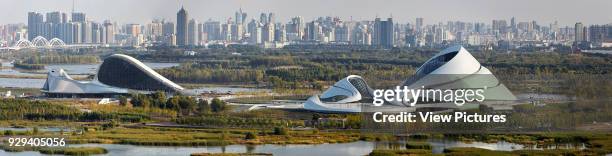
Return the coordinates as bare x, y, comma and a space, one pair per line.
453, 68
60, 84
116, 75
346, 95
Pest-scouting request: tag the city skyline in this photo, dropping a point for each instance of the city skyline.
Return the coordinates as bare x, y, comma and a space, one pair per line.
566, 13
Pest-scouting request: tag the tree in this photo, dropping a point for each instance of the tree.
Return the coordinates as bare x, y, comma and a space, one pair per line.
217, 105
146, 102
280, 131
160, 99
123, 100
173, 103
203, 106
187, 104
250, 136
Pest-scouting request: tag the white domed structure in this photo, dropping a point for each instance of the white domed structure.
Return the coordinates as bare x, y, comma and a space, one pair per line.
454, 69
345, 95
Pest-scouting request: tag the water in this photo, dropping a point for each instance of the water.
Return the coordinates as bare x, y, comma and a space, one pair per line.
340, 149
42, 129
21, 83
598, 51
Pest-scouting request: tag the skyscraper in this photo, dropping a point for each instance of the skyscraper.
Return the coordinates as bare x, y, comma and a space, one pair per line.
168, 28
238, 17
419, 24
268, 32
263, 18
78, 17
599, 33
181, 27
212, 29
109, 33
578, 32
35, 21
192, 33
54, 17
383, 33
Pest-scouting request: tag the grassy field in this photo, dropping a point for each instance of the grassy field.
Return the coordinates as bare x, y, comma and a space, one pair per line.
58, 150
207, 137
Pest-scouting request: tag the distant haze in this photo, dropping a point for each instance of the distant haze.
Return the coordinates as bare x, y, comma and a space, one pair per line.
566, 12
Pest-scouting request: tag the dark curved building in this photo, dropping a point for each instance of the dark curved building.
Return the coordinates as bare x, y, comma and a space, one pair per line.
124, 71
116, 75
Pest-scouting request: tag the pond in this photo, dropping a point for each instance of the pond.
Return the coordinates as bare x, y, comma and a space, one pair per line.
339, 149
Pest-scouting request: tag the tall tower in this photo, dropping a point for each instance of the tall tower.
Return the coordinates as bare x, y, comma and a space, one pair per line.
419, 24
578, 32
35, 21
181, 27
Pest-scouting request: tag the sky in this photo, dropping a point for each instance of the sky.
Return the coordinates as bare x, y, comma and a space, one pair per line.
566, 12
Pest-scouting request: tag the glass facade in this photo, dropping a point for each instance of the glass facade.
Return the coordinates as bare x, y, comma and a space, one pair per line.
430, 66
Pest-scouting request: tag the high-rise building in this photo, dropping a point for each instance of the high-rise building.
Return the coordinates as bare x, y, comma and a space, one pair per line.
133, 30
268, 32
55, 17
35, 24
154, 30
86, 30
419, 24
361, 36
77, 32
237, 31
213, 29
280, 33
226, 32
342, 33
78, 17
181, 27
66, 32
192, 33
578, 32
168, 29
295, 29
96, 32
254, 29
314, 31
109, 33
263, 18
600, 33
240, 17
271, 18
383, 33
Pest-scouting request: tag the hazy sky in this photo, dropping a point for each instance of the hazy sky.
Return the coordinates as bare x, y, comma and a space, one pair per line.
141, 11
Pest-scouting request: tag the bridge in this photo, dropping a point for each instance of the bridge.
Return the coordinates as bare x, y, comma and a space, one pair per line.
42, 43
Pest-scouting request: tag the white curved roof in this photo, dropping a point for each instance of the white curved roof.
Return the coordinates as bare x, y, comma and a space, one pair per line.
147, 70
343, 87
58, 81
462, 71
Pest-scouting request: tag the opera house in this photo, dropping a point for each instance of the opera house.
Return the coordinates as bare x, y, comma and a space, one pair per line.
452, 69
117, 75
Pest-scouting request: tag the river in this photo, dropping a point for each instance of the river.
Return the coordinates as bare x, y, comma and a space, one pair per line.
339, 149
